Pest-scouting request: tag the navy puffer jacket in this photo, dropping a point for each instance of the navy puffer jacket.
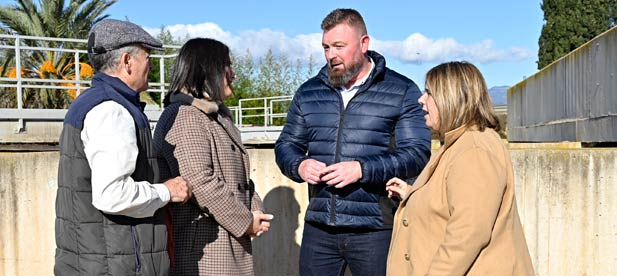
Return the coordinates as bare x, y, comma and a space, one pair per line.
382, 127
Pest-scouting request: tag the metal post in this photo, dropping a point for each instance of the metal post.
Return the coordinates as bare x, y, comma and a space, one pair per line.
18, 72
77, 75
20, 122
162, 75
265, 112
271, 112
239, 118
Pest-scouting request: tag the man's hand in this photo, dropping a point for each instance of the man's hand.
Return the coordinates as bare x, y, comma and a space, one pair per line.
342, 174
260, 225
397, 188
310, 171
178, 189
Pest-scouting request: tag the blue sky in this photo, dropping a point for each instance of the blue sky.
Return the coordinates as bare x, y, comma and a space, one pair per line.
500, 37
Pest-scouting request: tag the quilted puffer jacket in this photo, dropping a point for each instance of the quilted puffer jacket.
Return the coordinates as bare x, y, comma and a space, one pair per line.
382, 127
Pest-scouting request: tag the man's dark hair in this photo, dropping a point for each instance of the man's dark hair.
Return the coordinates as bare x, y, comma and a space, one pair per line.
200, 69
350, 17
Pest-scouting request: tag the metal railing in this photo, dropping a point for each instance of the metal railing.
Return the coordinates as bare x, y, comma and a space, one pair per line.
20, 51
267, 109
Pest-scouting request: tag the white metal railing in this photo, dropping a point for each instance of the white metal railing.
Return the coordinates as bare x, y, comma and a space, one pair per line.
263, 108
18, 47
249, 112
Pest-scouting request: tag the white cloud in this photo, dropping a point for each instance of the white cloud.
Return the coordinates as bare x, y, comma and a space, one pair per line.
416, 48
207, 29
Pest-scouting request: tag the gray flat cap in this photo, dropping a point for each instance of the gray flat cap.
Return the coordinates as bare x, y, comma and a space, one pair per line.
111, 34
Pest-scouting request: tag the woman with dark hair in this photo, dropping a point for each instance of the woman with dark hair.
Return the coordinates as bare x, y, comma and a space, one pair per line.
196, 138
459, 217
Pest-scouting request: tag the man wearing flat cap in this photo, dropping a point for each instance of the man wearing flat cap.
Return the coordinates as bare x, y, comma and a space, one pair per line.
109, 215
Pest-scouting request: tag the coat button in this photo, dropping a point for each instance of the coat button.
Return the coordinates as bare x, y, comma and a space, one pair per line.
233, 148
407, 257
405, 223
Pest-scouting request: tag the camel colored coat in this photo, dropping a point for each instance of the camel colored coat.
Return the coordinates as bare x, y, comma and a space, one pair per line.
460, 217
201, 143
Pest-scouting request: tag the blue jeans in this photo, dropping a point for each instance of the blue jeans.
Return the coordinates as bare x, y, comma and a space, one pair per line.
327, 251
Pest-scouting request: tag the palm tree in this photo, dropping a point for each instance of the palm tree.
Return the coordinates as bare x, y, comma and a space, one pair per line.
50, 18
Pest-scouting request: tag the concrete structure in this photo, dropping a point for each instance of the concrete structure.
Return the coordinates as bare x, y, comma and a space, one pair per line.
572, 99
566, 198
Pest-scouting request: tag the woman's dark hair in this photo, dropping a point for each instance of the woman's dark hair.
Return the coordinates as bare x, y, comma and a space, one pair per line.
200, 69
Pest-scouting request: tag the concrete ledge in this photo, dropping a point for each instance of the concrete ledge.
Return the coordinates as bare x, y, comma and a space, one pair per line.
560, 145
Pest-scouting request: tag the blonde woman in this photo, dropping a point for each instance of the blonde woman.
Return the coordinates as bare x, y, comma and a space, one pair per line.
459, 217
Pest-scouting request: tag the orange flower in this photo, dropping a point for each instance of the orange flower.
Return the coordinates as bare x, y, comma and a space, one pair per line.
85, 71
48, 67
72, 92
13, 73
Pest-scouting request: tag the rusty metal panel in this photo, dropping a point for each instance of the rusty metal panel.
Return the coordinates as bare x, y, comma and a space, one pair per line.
573, 99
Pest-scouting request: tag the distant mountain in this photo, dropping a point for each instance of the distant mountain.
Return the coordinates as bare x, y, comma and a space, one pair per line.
499, 94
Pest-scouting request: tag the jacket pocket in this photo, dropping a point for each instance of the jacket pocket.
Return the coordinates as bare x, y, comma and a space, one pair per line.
136, 249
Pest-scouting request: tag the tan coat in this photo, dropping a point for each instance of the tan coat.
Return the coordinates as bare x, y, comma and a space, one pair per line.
460, 217
202, 145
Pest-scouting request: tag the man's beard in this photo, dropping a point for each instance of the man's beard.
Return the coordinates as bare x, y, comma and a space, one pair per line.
341, 78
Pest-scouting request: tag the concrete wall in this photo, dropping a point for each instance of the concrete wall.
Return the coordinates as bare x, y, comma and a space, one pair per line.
566, 199
27, 195
568, 207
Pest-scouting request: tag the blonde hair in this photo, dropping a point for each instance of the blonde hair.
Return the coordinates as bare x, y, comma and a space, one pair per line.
461, 96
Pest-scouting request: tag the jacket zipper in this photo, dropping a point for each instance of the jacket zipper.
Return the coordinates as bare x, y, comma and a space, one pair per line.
337, 152
337, 158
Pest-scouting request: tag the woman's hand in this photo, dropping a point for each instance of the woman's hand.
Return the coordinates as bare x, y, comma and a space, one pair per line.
260, 225
397, 188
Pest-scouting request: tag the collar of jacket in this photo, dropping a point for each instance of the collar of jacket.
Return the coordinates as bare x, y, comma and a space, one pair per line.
377, 73
451, 136
208, 107
119, 86
212, 109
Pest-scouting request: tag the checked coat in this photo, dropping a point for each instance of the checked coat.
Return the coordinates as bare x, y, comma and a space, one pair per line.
197, 140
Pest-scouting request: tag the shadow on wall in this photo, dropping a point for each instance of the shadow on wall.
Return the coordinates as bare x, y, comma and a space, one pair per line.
276, 253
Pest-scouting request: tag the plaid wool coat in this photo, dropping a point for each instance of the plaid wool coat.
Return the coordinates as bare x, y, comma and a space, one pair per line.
197, 140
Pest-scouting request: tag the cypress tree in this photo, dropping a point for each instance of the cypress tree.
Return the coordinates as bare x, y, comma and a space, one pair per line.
569, 24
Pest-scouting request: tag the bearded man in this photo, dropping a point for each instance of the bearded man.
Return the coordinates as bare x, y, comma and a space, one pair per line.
349, 129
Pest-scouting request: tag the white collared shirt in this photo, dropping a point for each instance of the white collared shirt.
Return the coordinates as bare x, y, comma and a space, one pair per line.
347, 94
110, 144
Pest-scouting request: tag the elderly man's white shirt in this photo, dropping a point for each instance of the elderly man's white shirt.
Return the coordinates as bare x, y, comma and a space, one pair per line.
110, 144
